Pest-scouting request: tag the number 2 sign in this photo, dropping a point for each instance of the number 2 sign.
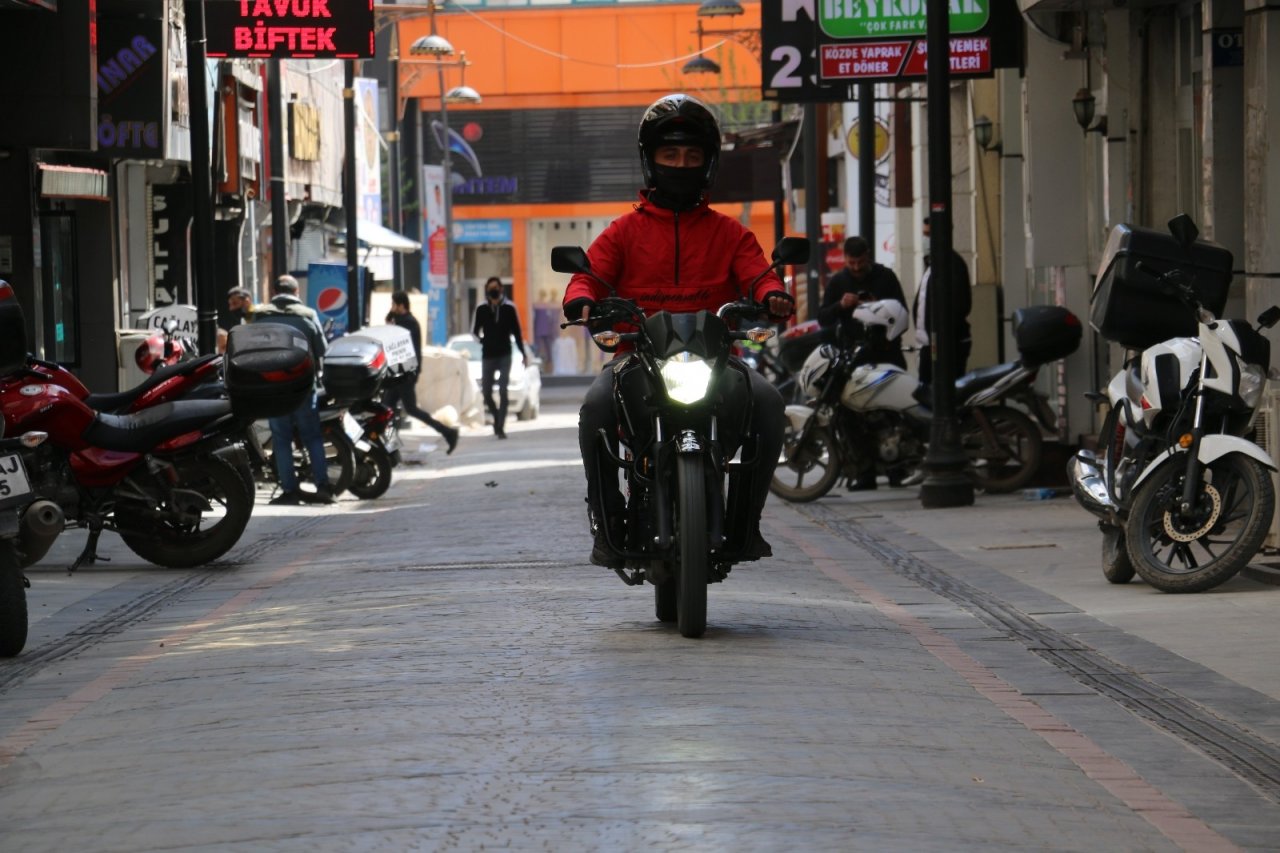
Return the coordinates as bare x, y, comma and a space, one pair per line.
788, 60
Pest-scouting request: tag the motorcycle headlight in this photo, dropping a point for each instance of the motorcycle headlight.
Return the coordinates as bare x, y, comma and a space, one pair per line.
1252, 381
686, 377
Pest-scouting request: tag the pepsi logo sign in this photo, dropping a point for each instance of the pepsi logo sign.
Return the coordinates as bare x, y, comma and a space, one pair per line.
332, 301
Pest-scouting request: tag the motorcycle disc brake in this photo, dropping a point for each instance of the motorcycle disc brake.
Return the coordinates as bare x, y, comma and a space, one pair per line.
1170, 519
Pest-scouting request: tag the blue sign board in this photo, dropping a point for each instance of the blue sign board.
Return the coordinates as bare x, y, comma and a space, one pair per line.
437, 312
482, 231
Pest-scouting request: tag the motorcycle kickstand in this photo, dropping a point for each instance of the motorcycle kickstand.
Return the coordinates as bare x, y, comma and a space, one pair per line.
90, 553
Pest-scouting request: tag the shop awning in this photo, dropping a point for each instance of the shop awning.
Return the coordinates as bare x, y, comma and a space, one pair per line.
379, 237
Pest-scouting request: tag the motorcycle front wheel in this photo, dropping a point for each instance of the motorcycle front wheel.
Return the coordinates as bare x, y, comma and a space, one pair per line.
372, 475
810, 464
691, 592
194, 522
1179, 553
1004, 457
13, 601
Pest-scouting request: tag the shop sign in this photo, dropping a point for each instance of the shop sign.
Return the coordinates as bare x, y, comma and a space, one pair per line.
873, 60
788, 59
131, 84
1228, 47
304, 131
289, 29
858, 19
482, 231
170, 218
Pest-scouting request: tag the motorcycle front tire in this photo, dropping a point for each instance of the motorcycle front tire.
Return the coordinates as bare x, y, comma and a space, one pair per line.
372, 475
691, 592
1170, 564
1117, 568
175, 547
816, 455
1012, 463
13, 601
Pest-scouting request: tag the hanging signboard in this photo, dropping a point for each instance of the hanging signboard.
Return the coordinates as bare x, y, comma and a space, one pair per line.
882, 41
788, 61
289, 29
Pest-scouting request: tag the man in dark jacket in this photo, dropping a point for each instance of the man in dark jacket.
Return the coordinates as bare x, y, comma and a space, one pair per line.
286, 308
961, 304
404, 391
861, 280
672, 252
496, 323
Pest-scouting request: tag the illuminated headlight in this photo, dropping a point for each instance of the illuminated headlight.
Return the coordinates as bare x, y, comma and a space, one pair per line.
686, 377
1252, 381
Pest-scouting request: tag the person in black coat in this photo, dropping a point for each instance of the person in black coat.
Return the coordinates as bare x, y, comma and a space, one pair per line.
496, 323
861, 280
404, 391
961, 304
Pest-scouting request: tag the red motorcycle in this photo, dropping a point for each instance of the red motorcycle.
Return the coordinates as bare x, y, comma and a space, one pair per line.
163, 477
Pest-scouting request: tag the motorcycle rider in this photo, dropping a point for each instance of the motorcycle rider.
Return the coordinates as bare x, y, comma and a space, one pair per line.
673, 252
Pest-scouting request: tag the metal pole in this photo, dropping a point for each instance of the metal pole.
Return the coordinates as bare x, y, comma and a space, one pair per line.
349, 195
812, 214
201, 182
779, 202
279, 209
867, 164
945, 483
446, 163
393, 153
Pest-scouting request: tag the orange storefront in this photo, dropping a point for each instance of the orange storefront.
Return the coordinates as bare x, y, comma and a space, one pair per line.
549, 157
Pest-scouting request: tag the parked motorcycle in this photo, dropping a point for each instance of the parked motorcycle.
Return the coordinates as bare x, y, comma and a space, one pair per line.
876, 416
686, 497
1183, 498
28, 526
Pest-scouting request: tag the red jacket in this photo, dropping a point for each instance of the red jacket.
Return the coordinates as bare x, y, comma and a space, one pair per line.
680, 262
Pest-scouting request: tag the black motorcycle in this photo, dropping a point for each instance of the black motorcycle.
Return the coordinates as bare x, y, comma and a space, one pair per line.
683, 406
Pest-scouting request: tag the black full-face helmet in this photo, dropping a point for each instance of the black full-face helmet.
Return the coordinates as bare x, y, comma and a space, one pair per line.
679, 119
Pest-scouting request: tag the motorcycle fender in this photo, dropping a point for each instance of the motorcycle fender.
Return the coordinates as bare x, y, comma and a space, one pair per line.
798, 415
1212, 448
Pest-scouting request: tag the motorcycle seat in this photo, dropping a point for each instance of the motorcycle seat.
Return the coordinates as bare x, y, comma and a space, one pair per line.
122, 399
971, 383
140, 432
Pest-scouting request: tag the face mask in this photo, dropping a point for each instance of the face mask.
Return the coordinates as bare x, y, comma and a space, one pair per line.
677, 189
495, 294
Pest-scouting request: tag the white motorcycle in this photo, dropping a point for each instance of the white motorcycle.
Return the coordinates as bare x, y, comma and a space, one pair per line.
1183, 498
867, 415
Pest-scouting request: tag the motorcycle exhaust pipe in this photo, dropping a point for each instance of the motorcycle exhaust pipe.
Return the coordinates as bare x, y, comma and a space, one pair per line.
1085, 473
41, 524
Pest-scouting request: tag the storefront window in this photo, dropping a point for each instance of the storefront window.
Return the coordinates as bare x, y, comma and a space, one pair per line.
60, 287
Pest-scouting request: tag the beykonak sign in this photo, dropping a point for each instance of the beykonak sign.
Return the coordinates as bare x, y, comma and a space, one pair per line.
289, 29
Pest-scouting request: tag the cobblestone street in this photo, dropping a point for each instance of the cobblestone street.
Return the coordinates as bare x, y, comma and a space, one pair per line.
441, 669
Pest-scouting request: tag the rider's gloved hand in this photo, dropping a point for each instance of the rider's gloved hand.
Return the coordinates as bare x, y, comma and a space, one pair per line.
578, 309
779, 304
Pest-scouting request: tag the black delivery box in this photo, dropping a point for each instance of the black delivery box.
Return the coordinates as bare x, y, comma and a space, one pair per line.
1045, 333
1128, 307
268, 369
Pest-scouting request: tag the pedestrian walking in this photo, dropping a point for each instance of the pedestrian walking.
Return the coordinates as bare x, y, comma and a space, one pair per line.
404, 392
285, 307
496, 323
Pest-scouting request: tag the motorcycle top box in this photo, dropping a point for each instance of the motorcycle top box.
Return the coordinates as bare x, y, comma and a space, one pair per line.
268, 370
357, 364
1045, 333
1129, 306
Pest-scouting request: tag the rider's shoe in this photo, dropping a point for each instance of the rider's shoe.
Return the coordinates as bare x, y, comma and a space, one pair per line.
864, 483
322, 495
755, 548
604, 556
287, 499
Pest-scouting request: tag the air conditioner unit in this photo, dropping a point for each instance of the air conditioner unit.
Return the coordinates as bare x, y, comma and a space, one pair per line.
1267, 435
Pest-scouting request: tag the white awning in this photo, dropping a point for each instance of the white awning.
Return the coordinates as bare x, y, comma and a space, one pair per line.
378, 236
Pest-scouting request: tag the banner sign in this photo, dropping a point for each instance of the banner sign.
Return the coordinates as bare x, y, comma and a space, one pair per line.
289, 29
131, 81
168, 227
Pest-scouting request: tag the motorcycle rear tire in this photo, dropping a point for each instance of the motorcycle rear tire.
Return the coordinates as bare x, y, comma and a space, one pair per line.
817, 455
13, 601
339, 454
1241, 482
1117, 568
176, 548
691, 597
1019, 442
372, 475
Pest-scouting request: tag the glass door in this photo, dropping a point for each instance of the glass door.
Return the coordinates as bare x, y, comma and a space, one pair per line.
60, 287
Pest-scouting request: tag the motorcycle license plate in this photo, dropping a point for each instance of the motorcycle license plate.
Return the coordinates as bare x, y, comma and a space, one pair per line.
13, 479
351, 427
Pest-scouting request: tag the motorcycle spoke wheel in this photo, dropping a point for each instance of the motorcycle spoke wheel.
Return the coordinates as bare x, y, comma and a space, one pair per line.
372, 475
808, 467
691, 592
1005, 458
13, 601
1191, 554
179, 532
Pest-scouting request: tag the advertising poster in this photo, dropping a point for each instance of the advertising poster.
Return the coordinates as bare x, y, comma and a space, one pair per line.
327, 293
435, 255
368, 156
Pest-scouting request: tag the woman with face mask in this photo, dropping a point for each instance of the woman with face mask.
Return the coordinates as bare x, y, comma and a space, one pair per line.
496, 323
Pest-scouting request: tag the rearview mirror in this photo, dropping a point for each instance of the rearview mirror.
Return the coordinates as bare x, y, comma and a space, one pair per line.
1184, 230
569, 259
1270, 317
792, 250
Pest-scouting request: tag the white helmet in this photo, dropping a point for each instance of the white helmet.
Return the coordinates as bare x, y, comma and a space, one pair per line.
889, 313
814, 371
